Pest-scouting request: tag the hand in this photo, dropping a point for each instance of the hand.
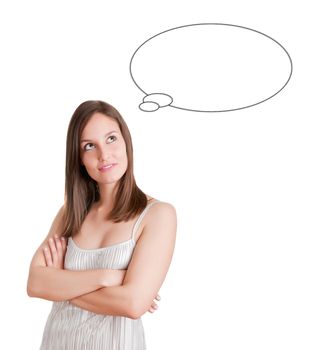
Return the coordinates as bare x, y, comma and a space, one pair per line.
154, 306
55, 254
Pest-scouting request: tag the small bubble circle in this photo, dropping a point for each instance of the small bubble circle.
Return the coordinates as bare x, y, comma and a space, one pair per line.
149, 106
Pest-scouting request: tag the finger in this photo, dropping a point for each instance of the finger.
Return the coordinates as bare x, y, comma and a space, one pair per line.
63, 243
44, 250
53, 249
58, 246
158, 297
154, 306
47, 255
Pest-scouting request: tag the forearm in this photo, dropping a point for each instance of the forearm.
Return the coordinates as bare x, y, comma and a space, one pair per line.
116, 301
60, 285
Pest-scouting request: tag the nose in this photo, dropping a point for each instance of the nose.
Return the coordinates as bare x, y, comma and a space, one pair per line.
103, 154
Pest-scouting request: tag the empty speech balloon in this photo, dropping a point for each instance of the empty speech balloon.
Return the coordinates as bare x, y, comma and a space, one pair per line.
209, 67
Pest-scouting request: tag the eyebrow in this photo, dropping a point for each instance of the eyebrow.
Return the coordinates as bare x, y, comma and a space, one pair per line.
108, 133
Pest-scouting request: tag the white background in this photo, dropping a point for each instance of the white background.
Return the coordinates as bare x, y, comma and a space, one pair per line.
245, 184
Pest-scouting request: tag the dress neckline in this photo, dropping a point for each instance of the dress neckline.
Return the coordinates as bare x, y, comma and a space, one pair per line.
132, 239
102, 248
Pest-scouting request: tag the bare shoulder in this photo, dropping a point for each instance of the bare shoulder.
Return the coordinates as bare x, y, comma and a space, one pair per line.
159, 212
161, 205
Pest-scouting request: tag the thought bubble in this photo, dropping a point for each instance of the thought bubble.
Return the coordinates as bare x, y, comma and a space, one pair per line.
209, 67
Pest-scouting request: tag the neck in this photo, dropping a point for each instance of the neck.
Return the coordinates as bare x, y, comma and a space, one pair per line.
107, 197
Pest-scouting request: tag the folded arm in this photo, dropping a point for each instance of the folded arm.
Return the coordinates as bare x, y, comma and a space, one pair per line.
60, 285
146, 271
47, 278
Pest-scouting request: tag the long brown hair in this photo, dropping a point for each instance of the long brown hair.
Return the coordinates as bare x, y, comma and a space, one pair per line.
80, 189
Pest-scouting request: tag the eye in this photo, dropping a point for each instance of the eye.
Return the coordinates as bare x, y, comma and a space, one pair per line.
112, 136
85, 149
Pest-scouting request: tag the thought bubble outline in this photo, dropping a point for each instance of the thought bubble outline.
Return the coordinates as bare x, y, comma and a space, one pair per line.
204, 111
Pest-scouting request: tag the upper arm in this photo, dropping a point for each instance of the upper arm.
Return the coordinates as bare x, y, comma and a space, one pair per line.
152, 256
56, 228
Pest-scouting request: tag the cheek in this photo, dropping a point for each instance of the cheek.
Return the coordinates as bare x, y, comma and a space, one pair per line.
122, 156
88, 161
125, 155
84, 159
121, 151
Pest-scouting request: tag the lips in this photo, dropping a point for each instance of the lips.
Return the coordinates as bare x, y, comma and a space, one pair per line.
106, 166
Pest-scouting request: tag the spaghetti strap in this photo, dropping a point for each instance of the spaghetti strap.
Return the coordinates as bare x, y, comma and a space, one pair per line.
141, 216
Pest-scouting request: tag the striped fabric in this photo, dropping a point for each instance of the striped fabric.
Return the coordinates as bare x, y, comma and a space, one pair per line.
69, 327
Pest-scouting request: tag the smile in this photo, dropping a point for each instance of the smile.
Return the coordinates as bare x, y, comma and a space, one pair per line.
107, 167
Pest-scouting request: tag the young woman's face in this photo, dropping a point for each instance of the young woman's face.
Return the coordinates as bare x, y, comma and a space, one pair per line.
102, 144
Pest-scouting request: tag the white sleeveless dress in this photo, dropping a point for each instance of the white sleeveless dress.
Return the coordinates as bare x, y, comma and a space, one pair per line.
69, 327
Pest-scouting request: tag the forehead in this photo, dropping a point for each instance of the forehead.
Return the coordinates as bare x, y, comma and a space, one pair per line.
98, 125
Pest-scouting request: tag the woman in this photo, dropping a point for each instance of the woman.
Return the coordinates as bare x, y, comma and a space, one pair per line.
109, 247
